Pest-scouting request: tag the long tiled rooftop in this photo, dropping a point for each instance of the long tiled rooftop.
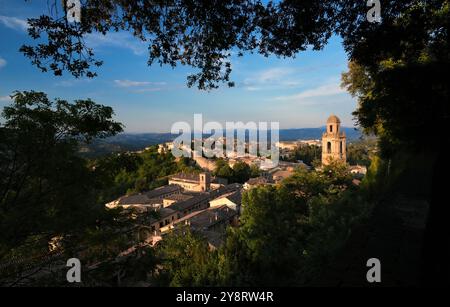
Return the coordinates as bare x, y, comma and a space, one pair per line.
149, 197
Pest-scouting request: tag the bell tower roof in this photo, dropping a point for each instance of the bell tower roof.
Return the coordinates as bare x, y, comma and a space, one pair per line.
333, 119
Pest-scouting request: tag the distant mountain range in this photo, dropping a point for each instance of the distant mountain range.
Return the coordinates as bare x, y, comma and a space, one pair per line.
138, 141
315, 133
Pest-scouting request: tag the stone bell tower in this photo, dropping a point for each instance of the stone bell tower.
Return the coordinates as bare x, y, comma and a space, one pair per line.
205, 181
333, 142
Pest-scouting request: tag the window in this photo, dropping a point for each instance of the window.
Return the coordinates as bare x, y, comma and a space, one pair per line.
331, 128
328, 147
340, 148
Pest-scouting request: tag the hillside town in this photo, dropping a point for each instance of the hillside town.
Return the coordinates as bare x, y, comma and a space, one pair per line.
208, 204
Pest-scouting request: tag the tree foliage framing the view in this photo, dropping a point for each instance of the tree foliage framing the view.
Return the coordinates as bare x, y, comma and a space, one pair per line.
200, 34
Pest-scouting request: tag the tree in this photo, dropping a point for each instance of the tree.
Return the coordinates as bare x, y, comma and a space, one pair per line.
137, 267
45, 188
361, 152
254, 171
398, 83
332, 179
186, 260
49, 201
202, 35
241, 172
115, 174
137, 172
307, 153
223, 170
403, 99
290, 232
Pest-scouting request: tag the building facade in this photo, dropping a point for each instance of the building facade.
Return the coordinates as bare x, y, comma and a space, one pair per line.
192, 182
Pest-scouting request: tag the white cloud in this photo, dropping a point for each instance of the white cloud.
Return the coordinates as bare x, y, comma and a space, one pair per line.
253, 88
5, 98
72, 82
273, 78
14, 23
116, 39
321, 91
65, 83
148, 90
130, 83
273, 74
2, 62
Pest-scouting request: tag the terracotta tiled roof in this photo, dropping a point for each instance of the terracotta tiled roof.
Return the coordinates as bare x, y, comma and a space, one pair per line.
189, 203
149, 197
186, 177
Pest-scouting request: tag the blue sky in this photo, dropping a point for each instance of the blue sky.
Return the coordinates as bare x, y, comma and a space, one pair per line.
300, 92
